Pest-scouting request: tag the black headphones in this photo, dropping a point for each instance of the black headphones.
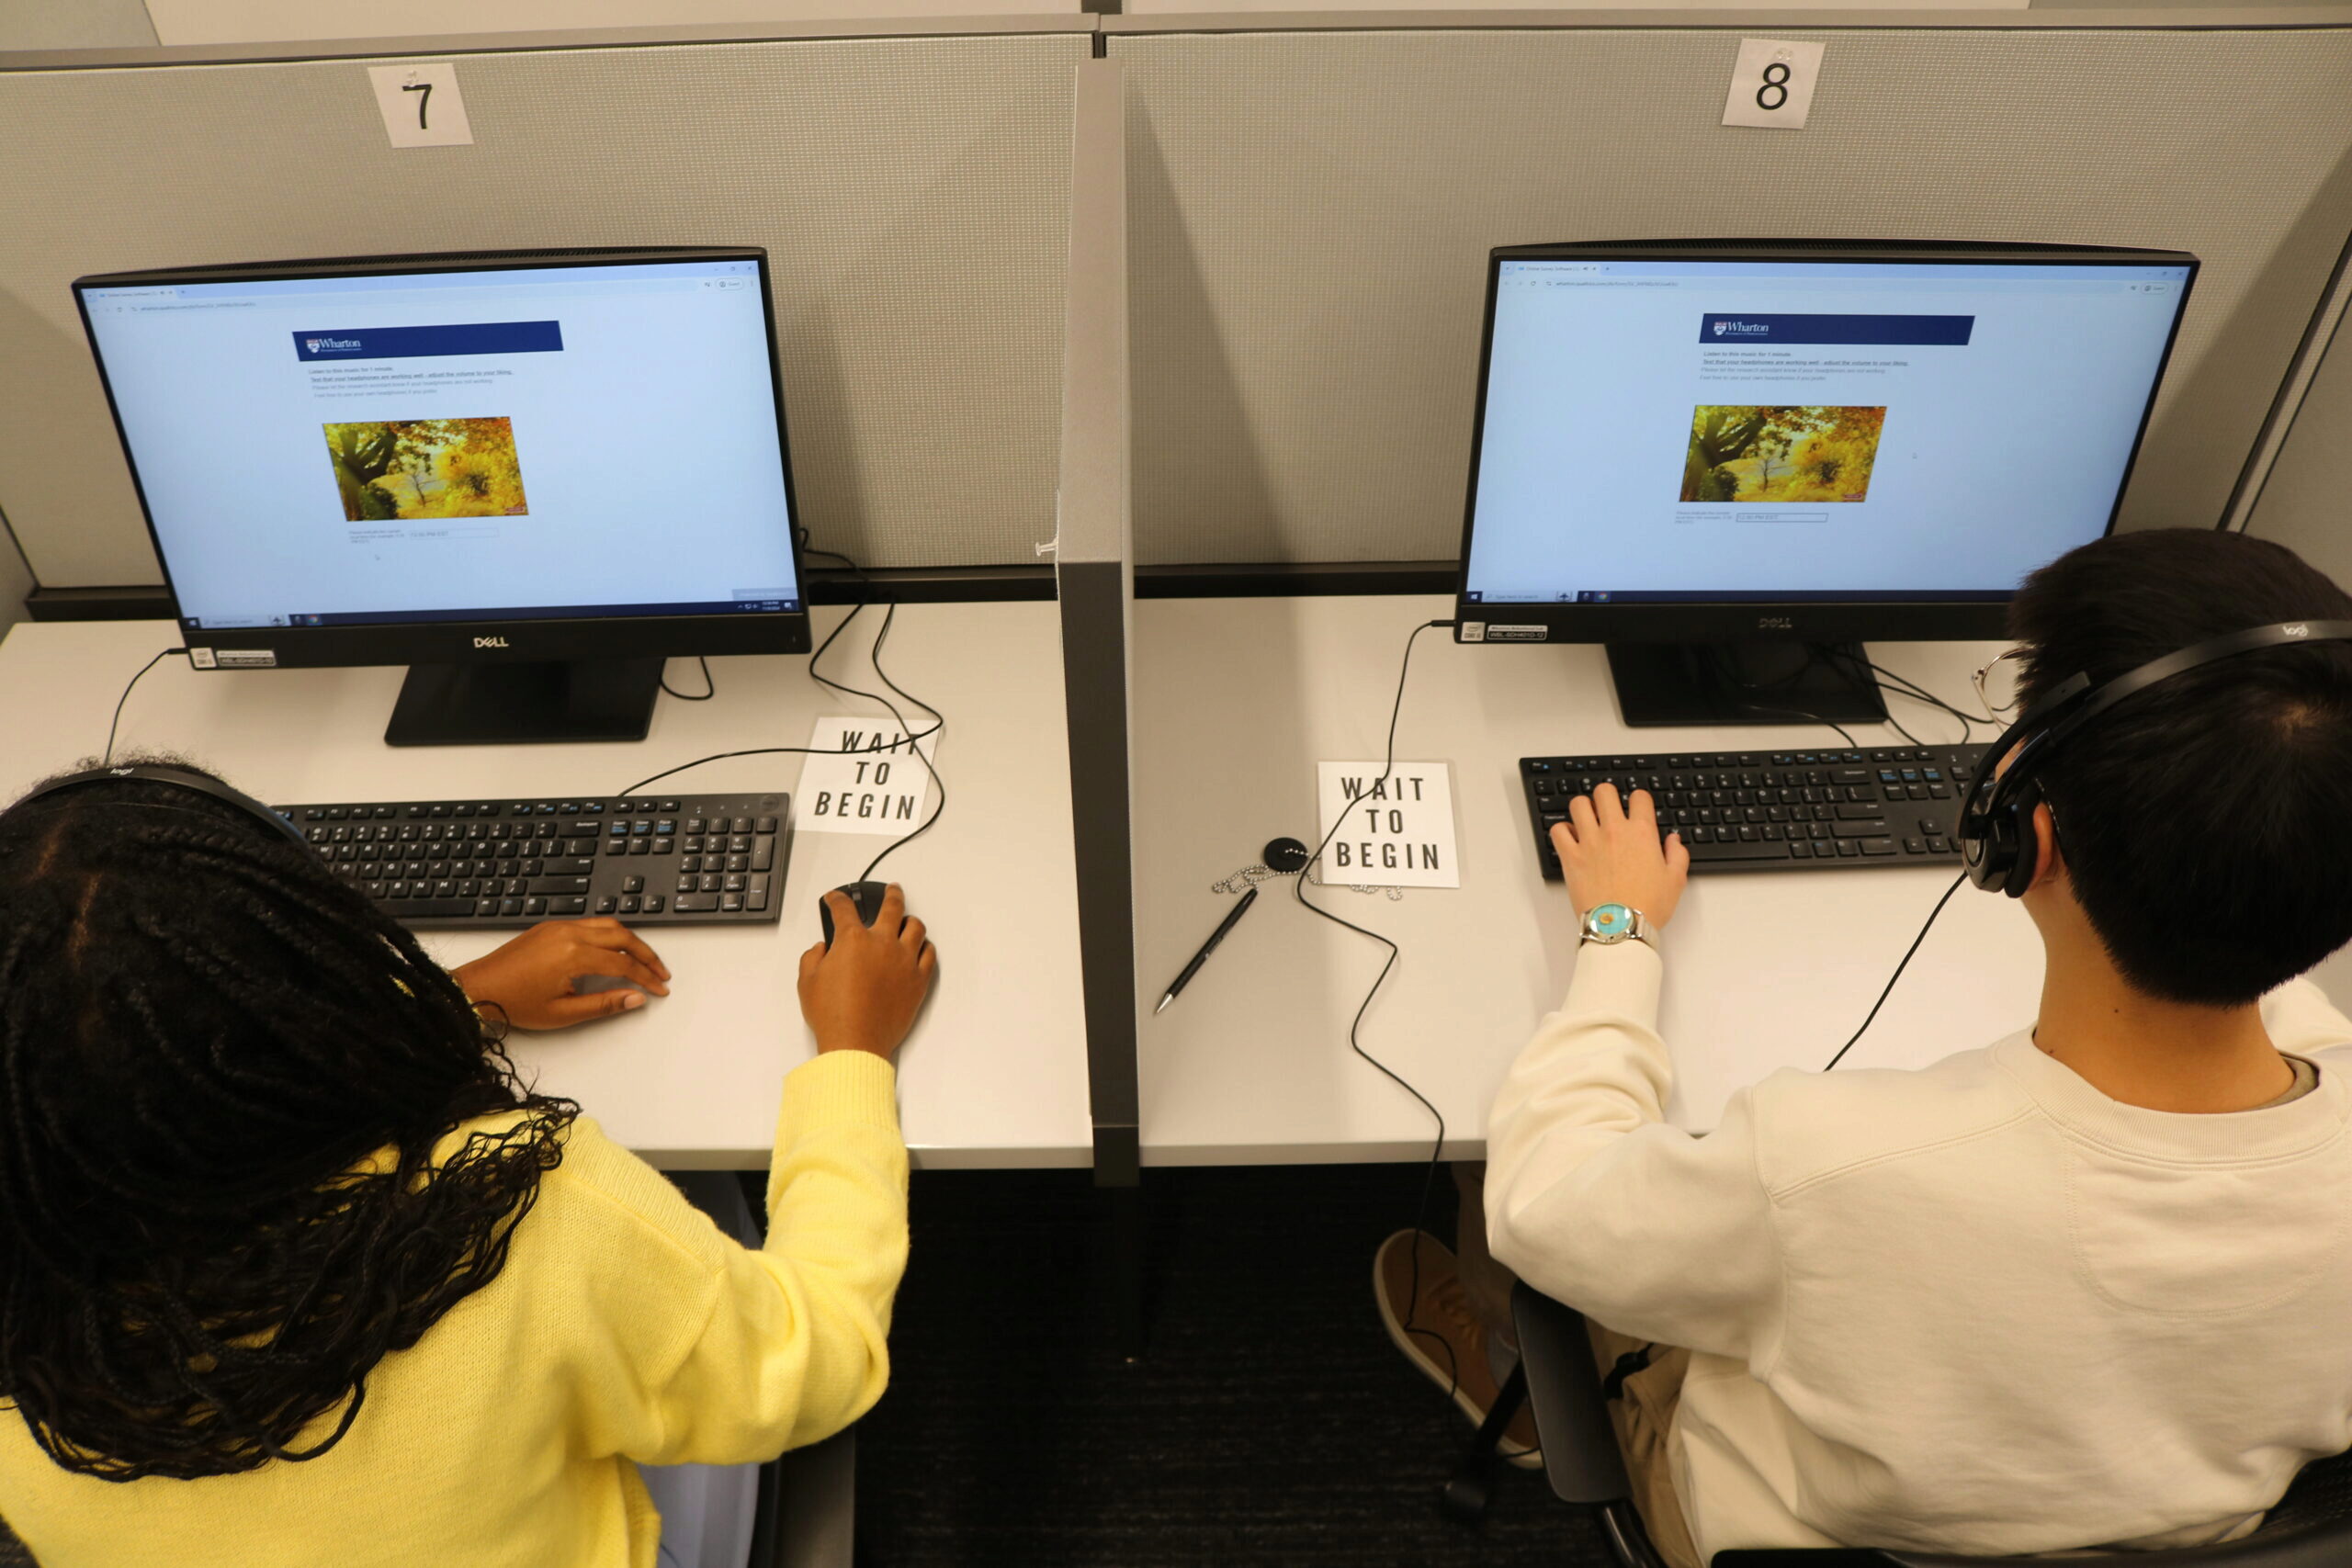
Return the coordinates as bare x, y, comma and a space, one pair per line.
182, 778
1995, 825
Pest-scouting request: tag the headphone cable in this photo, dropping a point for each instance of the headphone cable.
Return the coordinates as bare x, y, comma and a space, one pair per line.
1891, 979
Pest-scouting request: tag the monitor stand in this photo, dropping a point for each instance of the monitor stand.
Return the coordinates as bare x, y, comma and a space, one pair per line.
508, 704
1744, 683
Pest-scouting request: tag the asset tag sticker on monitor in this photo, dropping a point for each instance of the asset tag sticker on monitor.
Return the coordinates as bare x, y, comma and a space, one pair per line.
1392, 833
864, 778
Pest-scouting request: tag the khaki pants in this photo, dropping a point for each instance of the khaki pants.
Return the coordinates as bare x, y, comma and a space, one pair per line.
1643, 1415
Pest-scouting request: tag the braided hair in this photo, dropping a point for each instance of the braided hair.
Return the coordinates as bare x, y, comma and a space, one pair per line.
223, 1074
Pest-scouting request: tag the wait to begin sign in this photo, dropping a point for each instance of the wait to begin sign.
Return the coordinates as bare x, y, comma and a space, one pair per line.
1392, 833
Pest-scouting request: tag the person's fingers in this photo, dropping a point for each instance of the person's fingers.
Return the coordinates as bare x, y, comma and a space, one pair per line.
893, 911
927, 963
1606, 807
912, 933
1582, 822
626, 966
1563, 844
1677, 853
1643, 810
563, 1011
844, 911
808, 961
603, 931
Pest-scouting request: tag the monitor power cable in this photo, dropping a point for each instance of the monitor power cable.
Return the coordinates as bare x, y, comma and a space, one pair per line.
108, 761
709, 686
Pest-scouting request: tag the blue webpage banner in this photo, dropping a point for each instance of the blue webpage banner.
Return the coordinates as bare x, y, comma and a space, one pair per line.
1947, 330
419, 342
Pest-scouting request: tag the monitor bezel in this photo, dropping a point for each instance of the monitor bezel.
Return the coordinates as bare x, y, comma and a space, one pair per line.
1836, 620
517, 640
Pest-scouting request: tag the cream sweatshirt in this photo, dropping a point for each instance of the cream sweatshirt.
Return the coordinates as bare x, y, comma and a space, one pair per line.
1978, 1308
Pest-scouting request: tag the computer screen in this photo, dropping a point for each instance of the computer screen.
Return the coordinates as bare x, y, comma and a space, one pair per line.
1741, 431
495, 444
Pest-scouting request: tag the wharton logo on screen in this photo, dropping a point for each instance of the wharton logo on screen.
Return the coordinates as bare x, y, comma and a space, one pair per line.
1921, 332
425, 343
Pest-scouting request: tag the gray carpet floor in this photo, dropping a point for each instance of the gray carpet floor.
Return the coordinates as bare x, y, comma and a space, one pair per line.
1269, 1420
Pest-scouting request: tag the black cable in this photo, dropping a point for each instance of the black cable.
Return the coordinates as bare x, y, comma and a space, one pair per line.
1902, 685
1437, 1150
117, 723
710, 687
1899, 968
914, 737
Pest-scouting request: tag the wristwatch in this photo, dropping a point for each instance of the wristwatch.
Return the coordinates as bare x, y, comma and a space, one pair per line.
1609, 924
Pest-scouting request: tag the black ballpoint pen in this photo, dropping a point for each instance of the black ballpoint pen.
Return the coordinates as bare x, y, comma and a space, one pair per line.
1207, 948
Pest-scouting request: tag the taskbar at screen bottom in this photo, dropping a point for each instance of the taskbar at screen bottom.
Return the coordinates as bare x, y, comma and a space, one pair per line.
304, 619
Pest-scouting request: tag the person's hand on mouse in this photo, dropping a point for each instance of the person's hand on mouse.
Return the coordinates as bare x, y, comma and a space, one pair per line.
1612, 855
529, 981
863, 992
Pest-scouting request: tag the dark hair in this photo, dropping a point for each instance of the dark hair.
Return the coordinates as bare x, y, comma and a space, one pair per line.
204, 1034
2206, 821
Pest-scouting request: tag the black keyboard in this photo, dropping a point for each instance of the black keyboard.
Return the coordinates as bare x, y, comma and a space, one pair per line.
436, 864
1775, 810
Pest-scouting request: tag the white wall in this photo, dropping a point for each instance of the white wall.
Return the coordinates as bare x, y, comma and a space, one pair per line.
73, 24
271, 21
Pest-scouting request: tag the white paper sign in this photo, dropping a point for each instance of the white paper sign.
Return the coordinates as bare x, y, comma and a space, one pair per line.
1772, 86
864, 778
421, 105
1398, 832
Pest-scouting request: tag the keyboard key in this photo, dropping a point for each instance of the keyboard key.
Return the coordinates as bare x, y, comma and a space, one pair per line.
567, 907
1759, 850
1878, 846
695, 903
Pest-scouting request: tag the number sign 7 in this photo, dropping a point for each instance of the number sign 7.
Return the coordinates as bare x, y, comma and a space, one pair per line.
421, 105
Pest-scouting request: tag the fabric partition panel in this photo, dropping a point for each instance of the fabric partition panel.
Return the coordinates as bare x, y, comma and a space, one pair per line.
1310, 212
911, 192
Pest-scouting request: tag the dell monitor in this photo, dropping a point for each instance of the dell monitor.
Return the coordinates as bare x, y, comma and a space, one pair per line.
1725, 459
531, 475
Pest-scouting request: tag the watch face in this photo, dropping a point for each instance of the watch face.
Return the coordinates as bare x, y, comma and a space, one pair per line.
1609, 921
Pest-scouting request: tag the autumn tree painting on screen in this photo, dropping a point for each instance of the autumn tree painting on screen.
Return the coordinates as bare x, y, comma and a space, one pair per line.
412, 469
1784, 454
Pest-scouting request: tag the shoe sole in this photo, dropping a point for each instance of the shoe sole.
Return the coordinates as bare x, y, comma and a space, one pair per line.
1517, 1453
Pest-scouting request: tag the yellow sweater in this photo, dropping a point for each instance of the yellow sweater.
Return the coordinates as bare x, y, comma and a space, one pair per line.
624, 1328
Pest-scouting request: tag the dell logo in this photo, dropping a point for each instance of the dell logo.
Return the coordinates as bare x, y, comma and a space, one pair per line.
490, 642
1774, 624
2295, 629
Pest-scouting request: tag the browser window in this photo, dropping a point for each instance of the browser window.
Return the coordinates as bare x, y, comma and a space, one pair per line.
457, 446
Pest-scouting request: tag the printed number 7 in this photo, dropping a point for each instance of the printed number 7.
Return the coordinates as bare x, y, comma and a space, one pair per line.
425, 88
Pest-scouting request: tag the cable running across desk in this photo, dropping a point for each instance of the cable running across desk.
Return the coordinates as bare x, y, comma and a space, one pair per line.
914, 737
1437, 1150
108, 761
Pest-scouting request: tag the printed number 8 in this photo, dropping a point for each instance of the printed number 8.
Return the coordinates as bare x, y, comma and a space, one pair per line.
1773, 84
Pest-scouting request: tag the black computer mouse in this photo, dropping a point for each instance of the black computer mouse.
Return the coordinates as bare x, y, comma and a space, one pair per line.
866, 896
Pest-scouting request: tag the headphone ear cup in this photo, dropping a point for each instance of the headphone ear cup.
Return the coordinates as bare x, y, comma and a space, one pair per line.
2020, 848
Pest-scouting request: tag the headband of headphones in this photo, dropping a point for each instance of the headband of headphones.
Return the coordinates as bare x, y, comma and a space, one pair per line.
1991, 829
181, 778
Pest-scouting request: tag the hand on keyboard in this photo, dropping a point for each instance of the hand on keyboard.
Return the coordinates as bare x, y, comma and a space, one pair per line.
1610, 853
529, 981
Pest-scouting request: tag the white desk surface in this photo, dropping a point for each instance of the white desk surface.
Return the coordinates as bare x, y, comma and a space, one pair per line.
995, 1073
1238, 698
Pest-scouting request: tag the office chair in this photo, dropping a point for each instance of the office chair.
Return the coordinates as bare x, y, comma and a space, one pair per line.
805, 1517
2310, 1528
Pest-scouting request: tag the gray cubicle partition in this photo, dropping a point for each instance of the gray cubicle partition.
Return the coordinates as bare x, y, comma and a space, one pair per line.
910, 189
1094, 578
1311, 200
2305, 501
